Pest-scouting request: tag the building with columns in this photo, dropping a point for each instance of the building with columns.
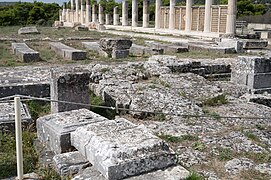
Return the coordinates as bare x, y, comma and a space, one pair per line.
209, 18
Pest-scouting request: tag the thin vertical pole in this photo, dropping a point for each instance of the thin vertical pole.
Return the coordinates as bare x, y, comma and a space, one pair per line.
18, 130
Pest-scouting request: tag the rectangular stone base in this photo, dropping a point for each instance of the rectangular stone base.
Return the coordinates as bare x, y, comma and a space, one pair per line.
54, 130
117, 54
25, 53
119, 149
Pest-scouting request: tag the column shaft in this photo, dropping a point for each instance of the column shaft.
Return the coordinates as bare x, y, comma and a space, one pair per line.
134, 13
146, 13
157, 14
124, 13
231, 17
87, 12
101, 14
94, 13
188, 15
77, 10
82, 12
172, 14
207, 17
107, 19
116, 17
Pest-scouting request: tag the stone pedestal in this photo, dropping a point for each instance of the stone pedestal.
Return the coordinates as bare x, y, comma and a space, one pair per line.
124, 13
94, 13
157, 14
101, 14
188, 17
116, 17
107, 19
134, 13
231, 18
146, 13
207, 17
172, 14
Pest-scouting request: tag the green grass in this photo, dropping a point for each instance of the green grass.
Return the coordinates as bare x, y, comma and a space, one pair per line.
8, 154
216, 101
38, 109
198, 146
211, 114
194, 176
178, 139
252, 136
225, 154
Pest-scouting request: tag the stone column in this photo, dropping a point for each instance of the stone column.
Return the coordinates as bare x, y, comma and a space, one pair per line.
107, 19
82, 11
87, 12
76, 10
72, 11
188, 15
101, 14
64, 12
231, 17
157, 14
172, 14
124, 13
146, 13
116, 17
207, 17
60, 15
68, 15
134, 13
94, 13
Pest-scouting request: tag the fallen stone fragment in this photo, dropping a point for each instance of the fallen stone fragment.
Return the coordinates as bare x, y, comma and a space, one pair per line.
70, 163
264, 168
119, 149
81, 28
25, 53
54, 130
28, 30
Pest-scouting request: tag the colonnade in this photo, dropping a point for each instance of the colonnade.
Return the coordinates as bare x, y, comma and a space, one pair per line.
88, 14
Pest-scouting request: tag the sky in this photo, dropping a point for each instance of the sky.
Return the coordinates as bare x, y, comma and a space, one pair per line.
45, 1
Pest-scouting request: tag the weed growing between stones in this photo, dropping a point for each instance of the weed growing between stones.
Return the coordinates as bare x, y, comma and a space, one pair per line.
225, 154
48, 173
251, 136
38, 108
198, 146
211, 114
216, 101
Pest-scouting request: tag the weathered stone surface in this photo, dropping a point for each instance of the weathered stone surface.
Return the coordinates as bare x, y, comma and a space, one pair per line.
93, 46
119, 149
171, 173
210, 48
252, 71
7, 117
54, 130
28, 30
140, 51
70, 163
117, 54
237, 44
69, 86
68, 52
235, 165
25, 53
100, 27
254, 44
264, 168
167, 48
108, 44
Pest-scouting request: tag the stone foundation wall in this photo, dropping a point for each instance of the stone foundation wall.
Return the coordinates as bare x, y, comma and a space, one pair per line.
218, 17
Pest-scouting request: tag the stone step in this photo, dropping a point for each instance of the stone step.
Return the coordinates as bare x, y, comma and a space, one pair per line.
25, 53
54, 130
210, 48
120, 149
68, 52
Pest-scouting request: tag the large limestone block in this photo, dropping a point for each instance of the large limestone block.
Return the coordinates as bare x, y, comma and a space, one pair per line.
93, 46
25, 53
67, 51
108, 44
28, 30
254, 44
54, 130
119, 149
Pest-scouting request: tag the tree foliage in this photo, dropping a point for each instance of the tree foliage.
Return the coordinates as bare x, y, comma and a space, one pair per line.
28, 13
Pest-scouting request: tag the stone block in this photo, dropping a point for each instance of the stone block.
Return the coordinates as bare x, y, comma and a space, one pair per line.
69, 86
171, 173
81, 28
28, 30
7, 117
117, 54
175, 49
67, 51
259, 81
25, 53
119, 149
237, 44
93, 46
54, 130
254, 44
108, 44
137, 50
265, 34
100, 27
70, 163
210, 48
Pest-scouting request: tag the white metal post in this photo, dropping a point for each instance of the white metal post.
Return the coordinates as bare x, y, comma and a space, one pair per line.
18, 130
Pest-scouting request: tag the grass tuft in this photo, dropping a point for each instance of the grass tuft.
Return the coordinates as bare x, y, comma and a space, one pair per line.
216, 101
194, 176
178, 139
